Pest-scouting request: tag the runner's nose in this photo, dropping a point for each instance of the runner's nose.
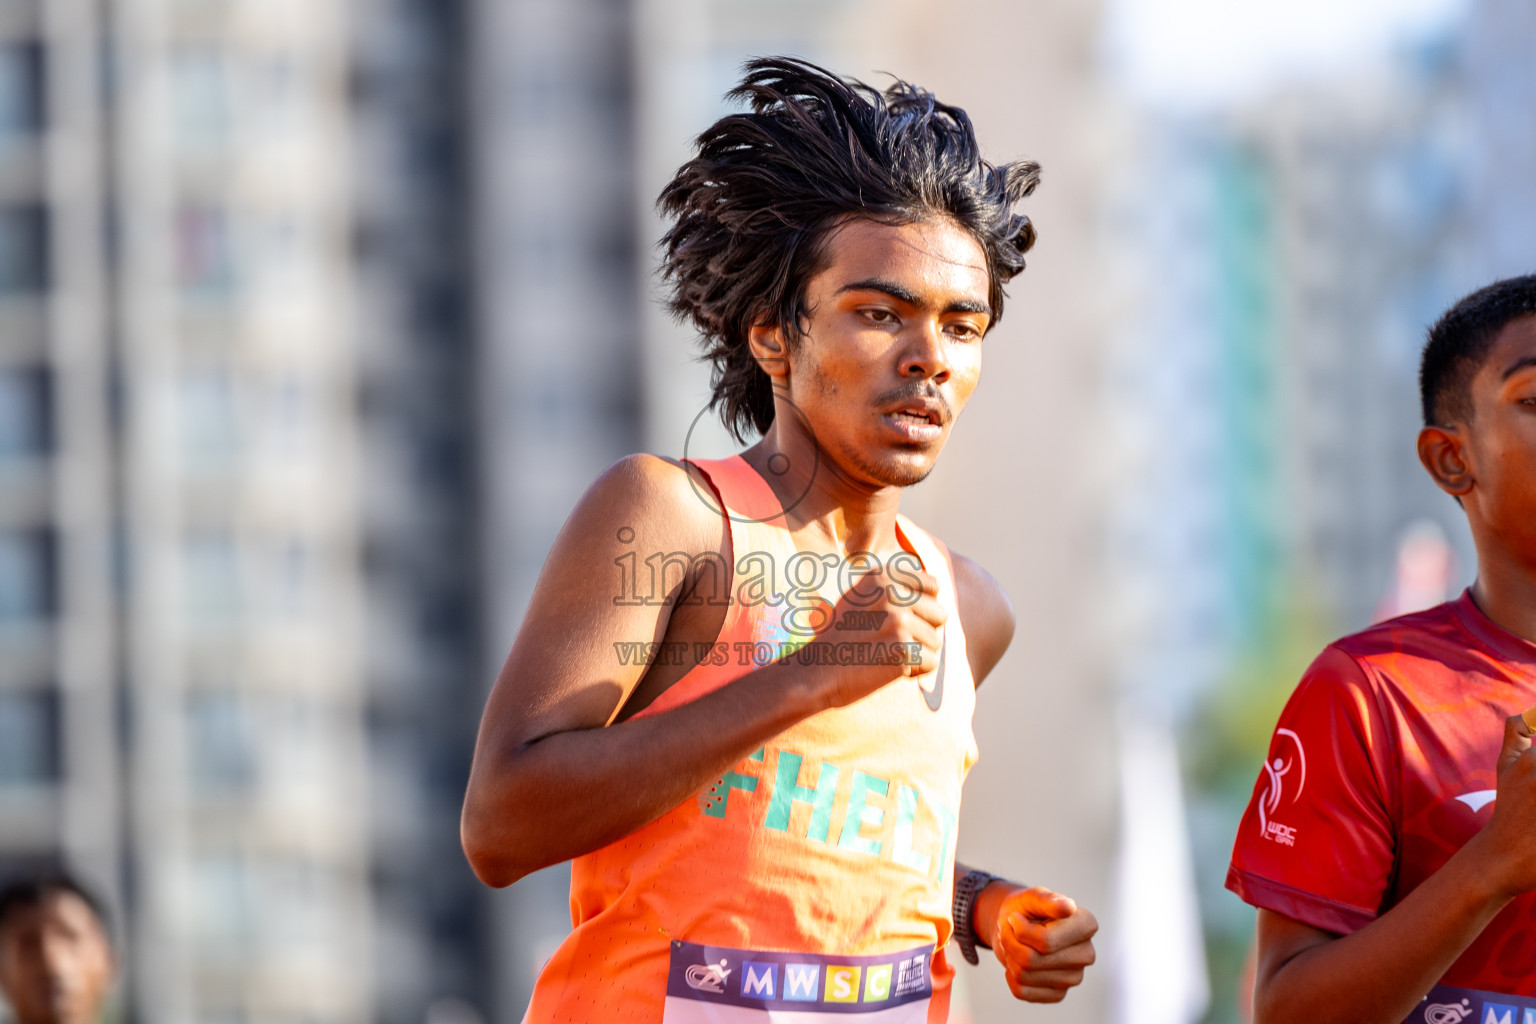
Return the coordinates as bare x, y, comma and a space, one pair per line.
925, 356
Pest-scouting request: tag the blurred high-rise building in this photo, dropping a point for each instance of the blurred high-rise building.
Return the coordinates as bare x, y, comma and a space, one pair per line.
180, 681
59, 668
417, 368
317, 322
1282, 262
1498, 84
557, 315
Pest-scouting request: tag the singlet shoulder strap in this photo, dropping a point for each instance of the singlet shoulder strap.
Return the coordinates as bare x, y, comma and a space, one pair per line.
754, 518
745, 494
933, 552
936, 560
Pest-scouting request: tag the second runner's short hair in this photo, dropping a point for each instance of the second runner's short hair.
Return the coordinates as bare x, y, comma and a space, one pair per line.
27, 893
1459, 344
752, 211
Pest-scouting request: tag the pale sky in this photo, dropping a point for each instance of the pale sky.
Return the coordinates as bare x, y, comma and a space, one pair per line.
1211, 53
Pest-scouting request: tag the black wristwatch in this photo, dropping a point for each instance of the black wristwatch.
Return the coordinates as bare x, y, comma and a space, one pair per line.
967, 887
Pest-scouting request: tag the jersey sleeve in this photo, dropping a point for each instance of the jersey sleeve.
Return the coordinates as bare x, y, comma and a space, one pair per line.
1317, 841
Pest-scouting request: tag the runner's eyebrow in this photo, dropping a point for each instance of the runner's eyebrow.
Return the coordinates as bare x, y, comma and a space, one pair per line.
897, 291
1518, 365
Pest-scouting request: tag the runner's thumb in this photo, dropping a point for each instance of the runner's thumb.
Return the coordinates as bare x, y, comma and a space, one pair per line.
1517, 740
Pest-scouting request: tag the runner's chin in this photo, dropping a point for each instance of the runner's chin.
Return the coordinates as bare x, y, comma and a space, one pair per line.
902, 470
896, 465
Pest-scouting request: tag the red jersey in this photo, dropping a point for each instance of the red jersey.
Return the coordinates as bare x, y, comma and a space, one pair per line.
1382, 765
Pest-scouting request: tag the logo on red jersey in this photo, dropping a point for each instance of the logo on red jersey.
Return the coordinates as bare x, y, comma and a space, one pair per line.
1276, 770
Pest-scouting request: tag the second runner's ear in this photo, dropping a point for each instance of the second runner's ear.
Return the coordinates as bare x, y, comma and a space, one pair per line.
1442, 450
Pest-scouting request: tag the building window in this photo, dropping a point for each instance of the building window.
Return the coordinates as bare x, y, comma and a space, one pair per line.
201, 91
23, 249
219, 745
209, 420
299, 898
25, 414
282, 255
301, 751
269, 907
205, 252
274, 93
290, 580
211, 579
222, 910
21, 92
289, 419
27, 576
29, 736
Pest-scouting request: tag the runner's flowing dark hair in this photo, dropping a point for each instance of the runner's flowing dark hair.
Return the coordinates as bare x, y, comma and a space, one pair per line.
751, 213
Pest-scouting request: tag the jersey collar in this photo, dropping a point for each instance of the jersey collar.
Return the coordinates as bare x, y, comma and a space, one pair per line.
1495, 637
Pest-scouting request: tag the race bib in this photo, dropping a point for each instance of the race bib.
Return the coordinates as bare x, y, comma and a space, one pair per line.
718, 985
1446, 1004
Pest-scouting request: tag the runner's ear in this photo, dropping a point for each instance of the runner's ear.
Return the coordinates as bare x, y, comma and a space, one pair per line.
1442, 450
766, 341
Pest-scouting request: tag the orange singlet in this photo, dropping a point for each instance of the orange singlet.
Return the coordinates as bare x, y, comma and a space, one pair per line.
815, 878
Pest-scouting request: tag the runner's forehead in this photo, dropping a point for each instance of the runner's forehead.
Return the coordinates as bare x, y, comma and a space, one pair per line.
55, 911
71, 909
1513, 353
934, 262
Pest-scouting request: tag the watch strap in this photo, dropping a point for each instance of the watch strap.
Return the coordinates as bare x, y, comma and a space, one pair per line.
967, 888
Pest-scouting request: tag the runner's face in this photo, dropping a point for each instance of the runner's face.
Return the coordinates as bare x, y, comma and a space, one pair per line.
55, 962
1502, 438
893, 346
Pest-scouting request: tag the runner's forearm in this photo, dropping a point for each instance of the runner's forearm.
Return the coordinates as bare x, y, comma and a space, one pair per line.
573, 792
1381, 972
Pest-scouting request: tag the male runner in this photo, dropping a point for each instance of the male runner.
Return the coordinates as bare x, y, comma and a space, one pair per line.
741, 698
1391, 842
56, 960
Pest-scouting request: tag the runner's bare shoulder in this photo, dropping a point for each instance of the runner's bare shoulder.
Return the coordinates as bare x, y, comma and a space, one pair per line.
668, 503
642, 505
563, 672
986, 614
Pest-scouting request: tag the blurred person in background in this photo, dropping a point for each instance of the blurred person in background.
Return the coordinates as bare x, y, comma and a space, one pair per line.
1390, 844
56, 959
755, 758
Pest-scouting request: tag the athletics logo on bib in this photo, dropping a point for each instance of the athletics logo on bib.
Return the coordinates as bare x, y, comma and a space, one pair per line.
717, 985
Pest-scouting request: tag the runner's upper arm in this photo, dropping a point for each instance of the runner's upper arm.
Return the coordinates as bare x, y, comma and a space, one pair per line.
986, 614
563, 671
1280, 940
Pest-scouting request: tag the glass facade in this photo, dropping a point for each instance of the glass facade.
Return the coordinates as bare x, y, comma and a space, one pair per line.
28, 587
21, 93
25, 414
29, 737
24, 249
